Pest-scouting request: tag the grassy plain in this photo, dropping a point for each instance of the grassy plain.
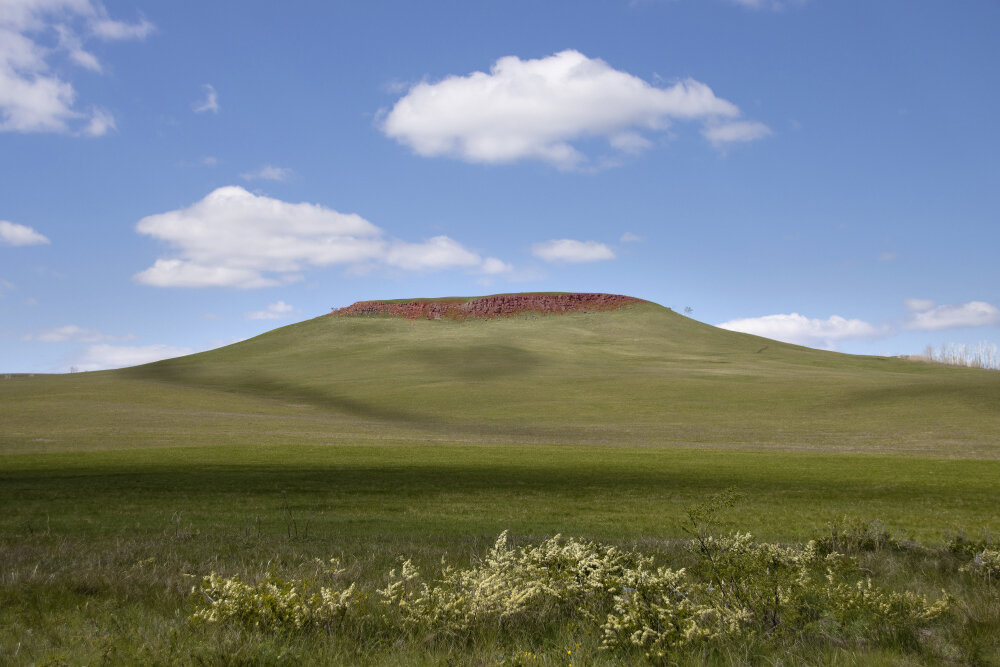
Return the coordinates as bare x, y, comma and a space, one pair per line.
374, 438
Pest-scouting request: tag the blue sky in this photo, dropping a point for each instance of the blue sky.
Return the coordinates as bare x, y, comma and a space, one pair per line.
178, 176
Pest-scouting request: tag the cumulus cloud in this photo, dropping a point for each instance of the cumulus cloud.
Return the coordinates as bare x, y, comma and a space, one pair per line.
570, 250
925, 316
72, 332
102, 357
268, 172
437, 253
537, 109
801, 330
629, 237
233, 238
274, 311
211, 101
12, 233
34, 36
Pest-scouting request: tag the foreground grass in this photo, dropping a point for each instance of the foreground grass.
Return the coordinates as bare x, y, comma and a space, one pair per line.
99, 548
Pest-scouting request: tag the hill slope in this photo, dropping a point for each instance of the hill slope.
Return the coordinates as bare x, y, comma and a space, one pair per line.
639, 374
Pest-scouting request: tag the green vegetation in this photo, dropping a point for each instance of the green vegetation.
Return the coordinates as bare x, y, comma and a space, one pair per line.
372, 440
642, 375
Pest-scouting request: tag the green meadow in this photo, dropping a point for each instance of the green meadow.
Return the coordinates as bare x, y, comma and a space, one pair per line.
373, 439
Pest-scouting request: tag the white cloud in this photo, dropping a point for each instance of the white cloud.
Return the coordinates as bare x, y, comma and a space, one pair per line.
268, 172
918, 304
569, 250
629, 237
631, 143
111, 30
536, 109
211, 101
12, 233
101, 122
493, 266
274, 311
34, 36
102, 357
233, 238
742, 131
928, 317
72, 332
795, 328
772, 5
439, 252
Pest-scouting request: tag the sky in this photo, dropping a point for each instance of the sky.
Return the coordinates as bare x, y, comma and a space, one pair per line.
184, 175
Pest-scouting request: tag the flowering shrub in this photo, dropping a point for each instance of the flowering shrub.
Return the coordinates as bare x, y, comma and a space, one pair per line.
738, 592
879, 612
770, 584
986, 563
272, 605
530, 583
747, 589
659, 613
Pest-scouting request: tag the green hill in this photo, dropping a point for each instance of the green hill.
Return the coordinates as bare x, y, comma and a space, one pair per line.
375, 437
638, 375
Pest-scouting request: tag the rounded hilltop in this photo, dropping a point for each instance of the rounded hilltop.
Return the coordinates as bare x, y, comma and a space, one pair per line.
489, 307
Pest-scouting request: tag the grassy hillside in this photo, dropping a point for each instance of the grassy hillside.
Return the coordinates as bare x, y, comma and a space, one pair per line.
642, 375
377, 438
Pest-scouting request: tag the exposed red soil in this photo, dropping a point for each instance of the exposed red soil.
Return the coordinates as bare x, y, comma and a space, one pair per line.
488, 307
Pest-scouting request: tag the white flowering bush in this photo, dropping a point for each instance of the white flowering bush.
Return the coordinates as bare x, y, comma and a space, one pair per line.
663, 613
881, 613
737, 592
532, 583
743, 590
770, 586
273, 604
986, 564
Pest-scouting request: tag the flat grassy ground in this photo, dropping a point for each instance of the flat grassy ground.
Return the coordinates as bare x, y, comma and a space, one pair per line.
373, 438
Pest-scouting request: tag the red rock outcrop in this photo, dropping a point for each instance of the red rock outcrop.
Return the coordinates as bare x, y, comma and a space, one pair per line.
488, 307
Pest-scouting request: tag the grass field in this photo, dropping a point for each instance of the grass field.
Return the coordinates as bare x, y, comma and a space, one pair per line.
375, 438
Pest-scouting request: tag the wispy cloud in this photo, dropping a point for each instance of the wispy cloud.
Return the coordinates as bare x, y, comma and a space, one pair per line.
916, 305
14, 234
724, 134
72, 332
274, 311
570, 250
211, 101
268, 172
768, 5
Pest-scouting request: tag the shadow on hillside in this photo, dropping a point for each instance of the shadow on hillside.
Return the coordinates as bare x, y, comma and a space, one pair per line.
477, 362
262, 386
